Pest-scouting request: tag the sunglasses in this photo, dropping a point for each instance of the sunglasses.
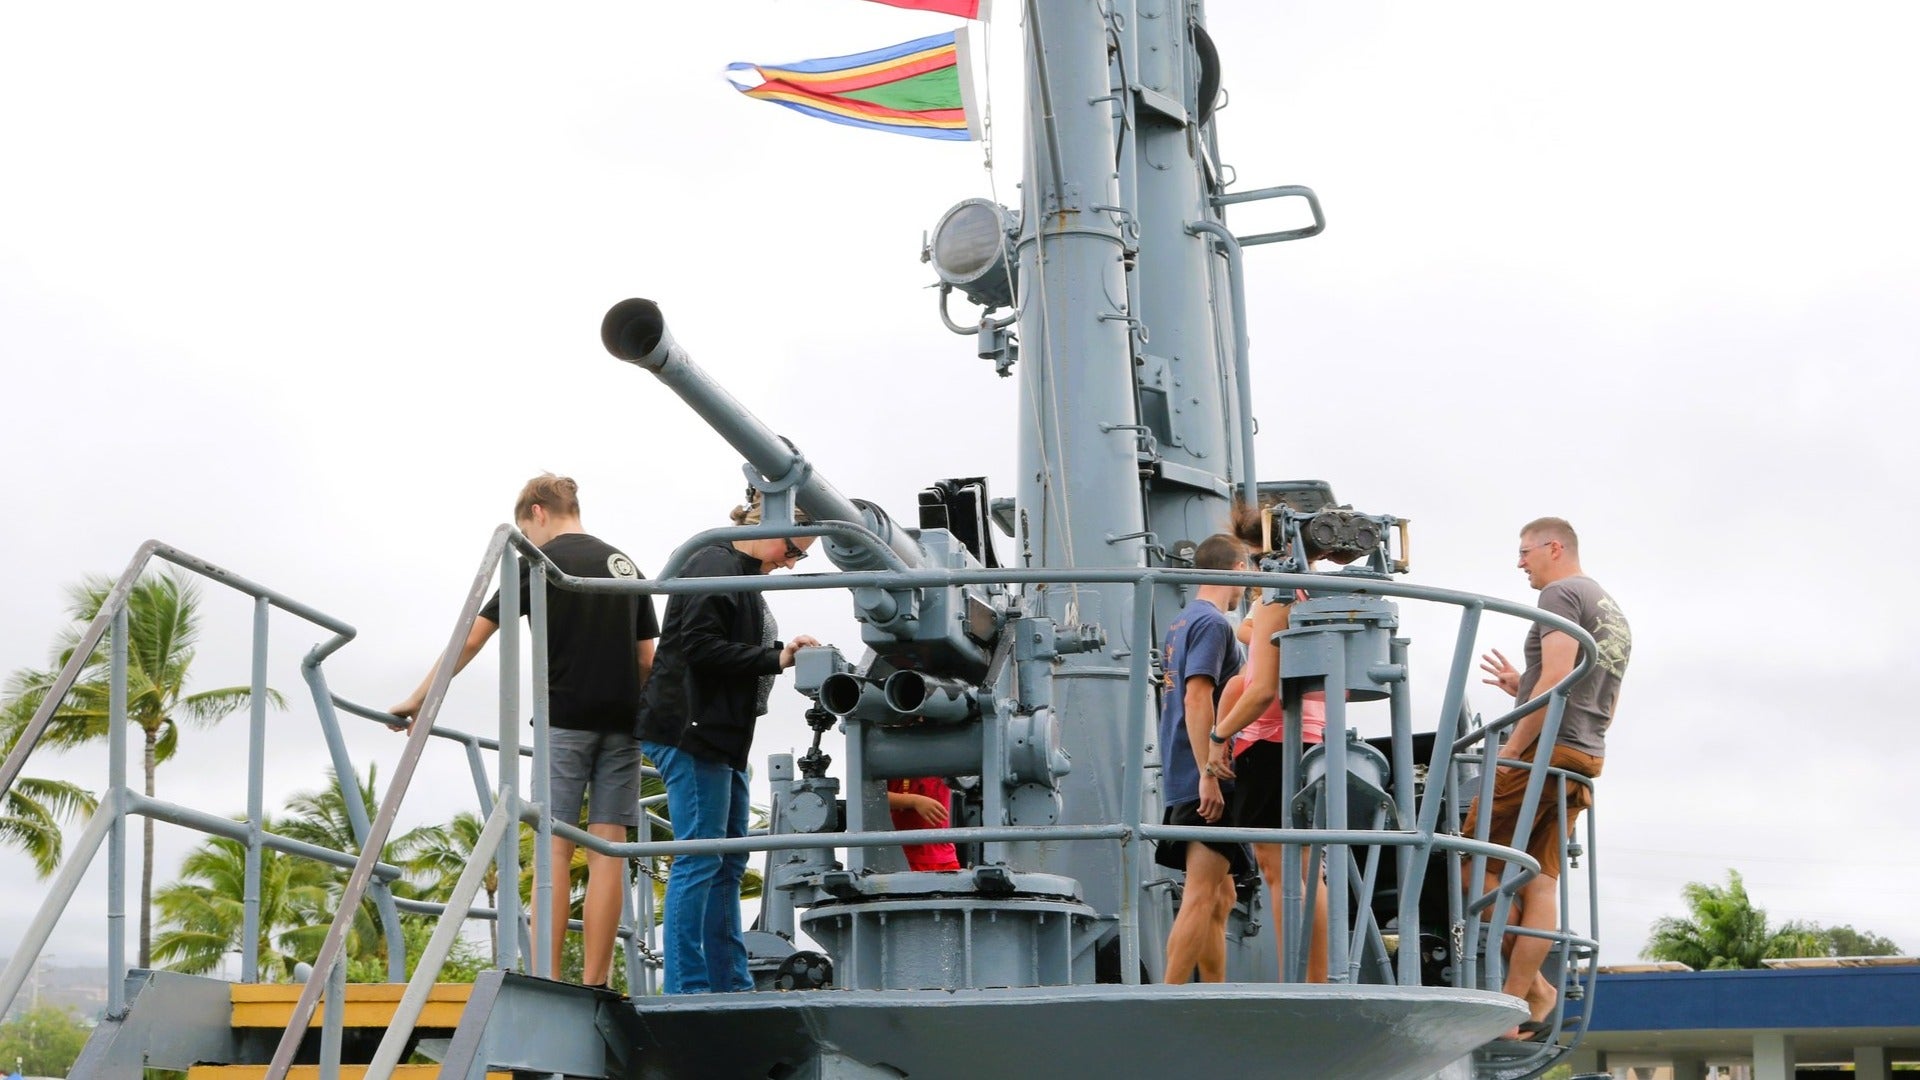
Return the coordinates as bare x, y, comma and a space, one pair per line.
794, 551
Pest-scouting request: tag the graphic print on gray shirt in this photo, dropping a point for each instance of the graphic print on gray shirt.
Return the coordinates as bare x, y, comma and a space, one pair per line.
1580, 599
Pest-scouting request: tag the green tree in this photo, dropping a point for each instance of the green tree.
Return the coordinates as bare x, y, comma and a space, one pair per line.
464, 963
1842, 941
443, 853
163, 627
203, 916
321, 818
45, 1041
1725, 931
30, 817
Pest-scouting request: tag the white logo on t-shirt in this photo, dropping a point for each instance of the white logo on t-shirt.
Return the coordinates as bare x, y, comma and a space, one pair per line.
620, 566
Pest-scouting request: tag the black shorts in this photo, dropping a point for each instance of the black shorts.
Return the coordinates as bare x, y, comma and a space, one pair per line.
1257, 801
1172, 854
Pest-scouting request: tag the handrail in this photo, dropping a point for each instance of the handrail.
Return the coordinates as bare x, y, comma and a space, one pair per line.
1423, 838
507, 545
331, 949
89, 642
121, 800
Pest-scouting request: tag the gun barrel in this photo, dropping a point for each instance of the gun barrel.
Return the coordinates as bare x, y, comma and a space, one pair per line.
636, 331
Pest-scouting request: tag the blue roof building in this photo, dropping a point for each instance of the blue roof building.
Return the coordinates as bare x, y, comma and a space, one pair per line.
1864, 1011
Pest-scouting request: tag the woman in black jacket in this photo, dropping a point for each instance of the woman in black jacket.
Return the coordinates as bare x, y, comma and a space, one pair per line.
712, 674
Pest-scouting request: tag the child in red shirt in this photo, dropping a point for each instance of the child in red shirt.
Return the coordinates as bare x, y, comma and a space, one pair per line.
922, 804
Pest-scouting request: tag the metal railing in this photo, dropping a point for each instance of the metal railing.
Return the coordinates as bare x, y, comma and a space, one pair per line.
1419, 836
1414, 847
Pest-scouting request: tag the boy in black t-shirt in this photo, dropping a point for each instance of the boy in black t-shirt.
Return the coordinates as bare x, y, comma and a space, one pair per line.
599, 655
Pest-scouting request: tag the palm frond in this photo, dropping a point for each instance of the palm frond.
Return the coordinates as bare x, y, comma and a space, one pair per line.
209, 707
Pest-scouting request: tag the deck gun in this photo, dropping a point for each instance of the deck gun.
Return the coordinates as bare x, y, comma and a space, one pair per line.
956, 679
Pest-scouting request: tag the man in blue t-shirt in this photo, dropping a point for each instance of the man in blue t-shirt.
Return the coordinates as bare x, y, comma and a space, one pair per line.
1199, 657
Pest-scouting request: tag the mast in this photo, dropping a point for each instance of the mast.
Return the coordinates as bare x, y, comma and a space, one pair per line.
1124, 444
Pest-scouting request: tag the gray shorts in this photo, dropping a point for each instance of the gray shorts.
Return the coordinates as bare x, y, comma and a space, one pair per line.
603, 764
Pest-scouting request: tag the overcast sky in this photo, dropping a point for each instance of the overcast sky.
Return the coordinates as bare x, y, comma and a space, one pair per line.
310, 291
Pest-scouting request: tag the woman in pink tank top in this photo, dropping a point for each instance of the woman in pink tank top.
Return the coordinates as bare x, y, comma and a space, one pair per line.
1247, 745
1270, 726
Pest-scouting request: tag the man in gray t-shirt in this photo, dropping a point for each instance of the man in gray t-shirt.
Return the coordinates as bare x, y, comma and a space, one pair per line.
1550, 555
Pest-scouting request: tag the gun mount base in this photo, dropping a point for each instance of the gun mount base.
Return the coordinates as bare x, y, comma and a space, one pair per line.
940, 930
1292, 1032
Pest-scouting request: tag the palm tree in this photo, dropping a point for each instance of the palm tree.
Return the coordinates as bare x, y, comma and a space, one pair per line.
444, 851
1726, 931
163, 625
202, 915
321, 818
31, 813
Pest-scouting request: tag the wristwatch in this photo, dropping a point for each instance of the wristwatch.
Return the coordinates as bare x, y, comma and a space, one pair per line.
1213, 737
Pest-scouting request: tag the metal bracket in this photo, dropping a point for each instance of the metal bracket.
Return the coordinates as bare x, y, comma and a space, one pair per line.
776, 496
1062, 198
1287, 191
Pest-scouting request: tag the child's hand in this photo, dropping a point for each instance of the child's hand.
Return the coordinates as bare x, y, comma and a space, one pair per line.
929, 810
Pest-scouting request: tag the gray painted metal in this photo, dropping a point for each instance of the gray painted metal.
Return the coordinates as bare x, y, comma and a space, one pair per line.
1269, 1030
955, 942
256, 796
1078, 447
331, 950
445, 932
535, 1025
117, 792
173, 1021
65, 882
348, 780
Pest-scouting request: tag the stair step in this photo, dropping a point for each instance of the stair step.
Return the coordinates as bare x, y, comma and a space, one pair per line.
313, 1073
369, 1005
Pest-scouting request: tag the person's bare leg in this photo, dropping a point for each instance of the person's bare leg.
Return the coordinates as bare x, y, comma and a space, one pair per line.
1268, 857
1199, 934
1317, 944
1538, 909
1213, 957
600, 915
560, 899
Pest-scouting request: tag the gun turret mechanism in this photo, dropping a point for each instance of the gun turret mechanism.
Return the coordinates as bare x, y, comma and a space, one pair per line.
1299, 525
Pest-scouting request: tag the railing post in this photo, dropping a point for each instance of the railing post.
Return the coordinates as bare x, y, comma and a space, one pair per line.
347, 781
363, 867
1529, 805
1475, 885
256, 796
508, 857
34, 938
445, 932
333, 1021
630, 879
544, 912
81, 655
1133, 783
1334, 797
1400, 706
1294, 925
482, 789
117, 806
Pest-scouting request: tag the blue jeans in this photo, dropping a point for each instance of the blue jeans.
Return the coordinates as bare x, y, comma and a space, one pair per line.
706, 799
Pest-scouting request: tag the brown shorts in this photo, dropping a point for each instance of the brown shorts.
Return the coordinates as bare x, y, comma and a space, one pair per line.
1510, 789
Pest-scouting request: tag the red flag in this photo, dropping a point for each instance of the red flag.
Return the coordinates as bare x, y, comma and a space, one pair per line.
966, 9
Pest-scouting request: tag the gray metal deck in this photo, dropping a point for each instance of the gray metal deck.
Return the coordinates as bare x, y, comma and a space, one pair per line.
1266, 1030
